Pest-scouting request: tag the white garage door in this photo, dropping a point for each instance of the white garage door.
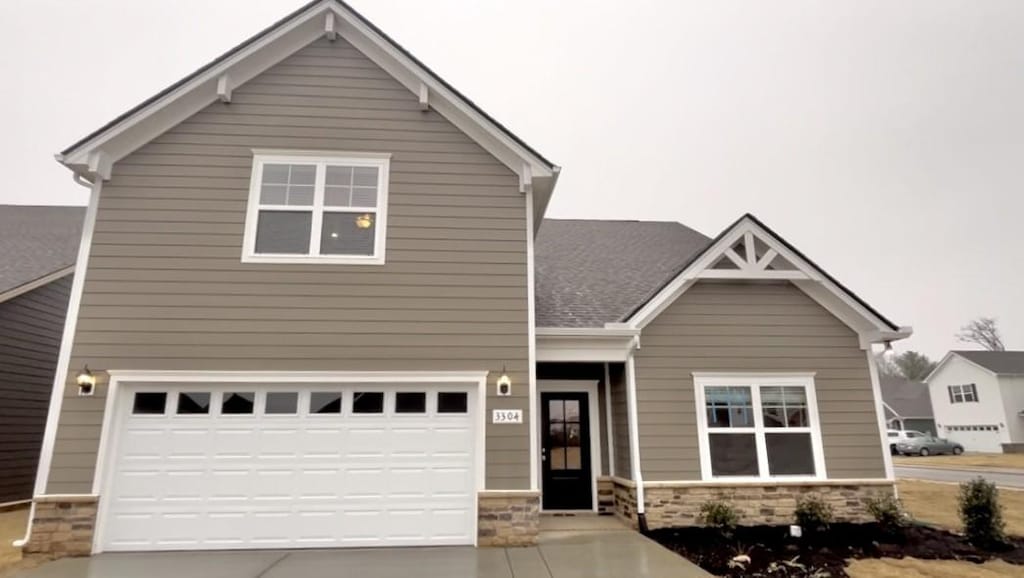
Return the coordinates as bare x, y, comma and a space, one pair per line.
239, 466
976, 438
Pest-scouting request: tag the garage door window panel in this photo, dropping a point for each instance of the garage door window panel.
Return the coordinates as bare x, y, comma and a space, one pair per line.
410, 402
193, 403
324, 402
238, 403
149, 403
452, 402
368, 402
281, 403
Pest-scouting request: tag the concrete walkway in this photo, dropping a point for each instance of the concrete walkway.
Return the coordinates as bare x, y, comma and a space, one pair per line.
568, 548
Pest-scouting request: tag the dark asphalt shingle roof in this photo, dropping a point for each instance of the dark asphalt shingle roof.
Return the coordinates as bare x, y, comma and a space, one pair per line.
591, 272
906, 397
36, 241
1002, 362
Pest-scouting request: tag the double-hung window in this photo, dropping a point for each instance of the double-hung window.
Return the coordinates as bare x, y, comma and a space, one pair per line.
317, 208
967, 393
758, 427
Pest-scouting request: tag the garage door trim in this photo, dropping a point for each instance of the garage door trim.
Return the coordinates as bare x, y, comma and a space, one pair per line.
102, 478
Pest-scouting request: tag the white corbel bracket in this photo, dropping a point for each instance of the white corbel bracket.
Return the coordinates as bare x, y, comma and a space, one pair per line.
100, 165
424, 96
224, 88
526, 179
330, 29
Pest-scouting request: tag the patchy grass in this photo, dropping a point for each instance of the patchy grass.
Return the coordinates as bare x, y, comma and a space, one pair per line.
12, 527
935, 503
971, 461
914, 568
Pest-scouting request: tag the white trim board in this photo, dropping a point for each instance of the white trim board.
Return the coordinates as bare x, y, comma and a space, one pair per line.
806, 276
109, 439
588, 387
531, 344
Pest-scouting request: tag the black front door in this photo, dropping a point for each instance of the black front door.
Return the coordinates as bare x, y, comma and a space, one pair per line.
565, 451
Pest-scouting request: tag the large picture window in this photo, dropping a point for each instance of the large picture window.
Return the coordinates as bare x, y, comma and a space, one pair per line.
317, 208
758, 427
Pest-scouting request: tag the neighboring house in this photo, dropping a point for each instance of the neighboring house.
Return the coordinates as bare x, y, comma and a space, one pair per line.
314, 295
978, 398
37, 257
907, 404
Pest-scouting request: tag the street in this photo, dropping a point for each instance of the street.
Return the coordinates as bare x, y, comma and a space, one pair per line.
1004, 478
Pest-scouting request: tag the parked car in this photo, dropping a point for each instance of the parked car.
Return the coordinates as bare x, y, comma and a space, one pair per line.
896, 436
927, 446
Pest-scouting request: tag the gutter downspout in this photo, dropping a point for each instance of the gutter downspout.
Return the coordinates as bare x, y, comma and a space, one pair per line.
634, 437
57, 390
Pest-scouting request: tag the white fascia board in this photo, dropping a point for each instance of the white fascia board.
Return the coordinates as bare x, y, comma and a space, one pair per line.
276, 45
807, 278
584, 344
36, 283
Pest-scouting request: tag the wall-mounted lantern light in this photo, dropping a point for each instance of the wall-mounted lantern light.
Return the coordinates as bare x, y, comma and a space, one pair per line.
86, 382
504, 383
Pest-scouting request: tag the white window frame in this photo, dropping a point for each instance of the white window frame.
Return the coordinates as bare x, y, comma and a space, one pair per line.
381, 161
755, 382
961, 392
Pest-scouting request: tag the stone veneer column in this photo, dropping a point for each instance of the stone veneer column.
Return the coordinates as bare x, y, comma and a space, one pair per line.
508, 518
63, 526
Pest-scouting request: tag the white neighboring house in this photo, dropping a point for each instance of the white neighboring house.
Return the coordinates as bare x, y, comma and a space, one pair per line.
978, 399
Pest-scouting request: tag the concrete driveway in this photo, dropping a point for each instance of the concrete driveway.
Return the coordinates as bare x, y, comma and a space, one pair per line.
606, 554
1004, 478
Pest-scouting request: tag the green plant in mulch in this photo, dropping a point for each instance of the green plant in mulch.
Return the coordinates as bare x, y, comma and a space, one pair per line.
888, 512
981, 513
813, 513
719, 515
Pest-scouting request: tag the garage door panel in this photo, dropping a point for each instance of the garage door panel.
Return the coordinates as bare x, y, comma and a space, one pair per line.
277, 481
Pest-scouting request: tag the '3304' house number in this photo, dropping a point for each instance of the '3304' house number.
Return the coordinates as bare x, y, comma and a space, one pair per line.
507, 416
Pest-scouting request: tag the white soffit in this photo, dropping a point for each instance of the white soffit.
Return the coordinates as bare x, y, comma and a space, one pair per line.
95, 154
750, 251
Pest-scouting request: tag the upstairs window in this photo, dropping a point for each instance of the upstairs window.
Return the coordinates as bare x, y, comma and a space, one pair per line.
317, 208
963, 393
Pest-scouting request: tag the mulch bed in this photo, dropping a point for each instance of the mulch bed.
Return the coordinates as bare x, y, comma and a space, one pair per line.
773, 553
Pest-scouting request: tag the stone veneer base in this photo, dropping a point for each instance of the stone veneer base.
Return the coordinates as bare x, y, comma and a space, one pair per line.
62, 526
677, 505
508, 518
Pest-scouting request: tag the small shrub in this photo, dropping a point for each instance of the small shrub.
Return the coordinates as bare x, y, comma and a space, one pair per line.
812, 513
719, 515
981, 514
888, 512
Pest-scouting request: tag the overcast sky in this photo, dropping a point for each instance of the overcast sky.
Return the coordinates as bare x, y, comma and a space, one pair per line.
884, 139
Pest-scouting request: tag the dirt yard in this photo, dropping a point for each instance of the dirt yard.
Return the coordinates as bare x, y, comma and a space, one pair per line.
914, 568
12, 527
935, 503
978, 461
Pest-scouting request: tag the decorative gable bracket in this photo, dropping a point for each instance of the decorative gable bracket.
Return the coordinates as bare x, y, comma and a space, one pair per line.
748, 250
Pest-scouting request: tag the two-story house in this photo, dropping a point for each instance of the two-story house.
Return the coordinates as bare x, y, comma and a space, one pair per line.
978, 398
322, 308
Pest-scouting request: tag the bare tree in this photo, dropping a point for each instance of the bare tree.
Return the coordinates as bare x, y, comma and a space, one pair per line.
984, 332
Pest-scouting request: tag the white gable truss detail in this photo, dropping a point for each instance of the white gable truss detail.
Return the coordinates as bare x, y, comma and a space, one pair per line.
750, 251
93, 156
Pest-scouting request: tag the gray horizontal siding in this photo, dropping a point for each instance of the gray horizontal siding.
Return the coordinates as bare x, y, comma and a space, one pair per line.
31, 326
166, 288
751, 327
620, 421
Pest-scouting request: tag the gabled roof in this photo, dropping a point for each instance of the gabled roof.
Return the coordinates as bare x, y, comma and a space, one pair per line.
36, 242
591, 272
997, 362
749, 250
905, 397
94, 154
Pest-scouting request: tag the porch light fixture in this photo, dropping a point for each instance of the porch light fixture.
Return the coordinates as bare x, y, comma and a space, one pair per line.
86, 382
364, 221
504, 383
